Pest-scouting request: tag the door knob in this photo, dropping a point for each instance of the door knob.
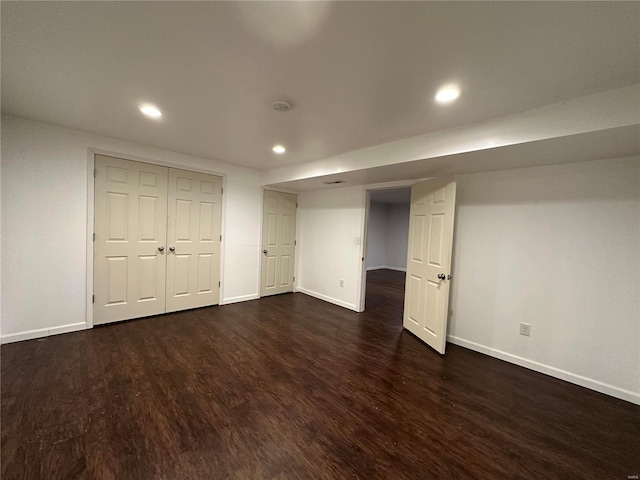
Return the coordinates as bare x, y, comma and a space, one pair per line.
172, 249
161, 249
265, 251
441, 276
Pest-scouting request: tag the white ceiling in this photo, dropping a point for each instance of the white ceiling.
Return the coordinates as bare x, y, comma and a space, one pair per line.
359, 73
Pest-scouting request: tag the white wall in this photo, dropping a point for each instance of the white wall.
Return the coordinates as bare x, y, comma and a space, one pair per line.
45, 207
387, 236
330, 226
557, 247
376, 256
397, 235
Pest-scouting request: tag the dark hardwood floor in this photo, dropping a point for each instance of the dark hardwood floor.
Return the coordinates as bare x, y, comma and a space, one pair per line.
290, 387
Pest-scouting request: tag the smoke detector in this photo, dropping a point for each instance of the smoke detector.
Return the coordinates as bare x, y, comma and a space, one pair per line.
281, 105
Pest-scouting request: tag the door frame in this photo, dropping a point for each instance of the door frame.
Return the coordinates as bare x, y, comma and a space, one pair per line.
91, 153
297, 245
365, 228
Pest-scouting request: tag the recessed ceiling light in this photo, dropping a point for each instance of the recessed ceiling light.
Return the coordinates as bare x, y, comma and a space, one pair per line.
150, 111
447, 94
279, 149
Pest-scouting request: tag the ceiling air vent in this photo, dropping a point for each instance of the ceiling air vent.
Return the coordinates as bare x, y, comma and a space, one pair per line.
333, 182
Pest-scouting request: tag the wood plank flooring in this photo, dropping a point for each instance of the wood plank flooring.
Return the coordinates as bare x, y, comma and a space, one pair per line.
290, 387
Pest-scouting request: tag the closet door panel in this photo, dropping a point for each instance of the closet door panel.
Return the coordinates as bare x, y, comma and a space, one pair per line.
193, 236
130, 235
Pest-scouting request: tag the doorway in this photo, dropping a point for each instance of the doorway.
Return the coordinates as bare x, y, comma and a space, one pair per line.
386, 251
428, 256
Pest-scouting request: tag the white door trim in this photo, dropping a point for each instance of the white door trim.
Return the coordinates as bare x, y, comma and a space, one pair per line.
91, 206
91, 153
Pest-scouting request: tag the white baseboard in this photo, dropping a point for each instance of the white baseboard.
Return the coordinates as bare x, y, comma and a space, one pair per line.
241, 298
326, 298
589, 383
42, 332
387, 267
397, 269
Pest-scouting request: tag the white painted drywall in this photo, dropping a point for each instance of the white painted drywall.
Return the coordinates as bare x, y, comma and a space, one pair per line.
387, 236
376, 256
559, 248
397, 236
330, 227
44, 224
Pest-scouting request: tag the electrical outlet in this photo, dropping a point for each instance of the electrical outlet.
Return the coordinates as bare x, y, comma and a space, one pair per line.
341, 283
525, 329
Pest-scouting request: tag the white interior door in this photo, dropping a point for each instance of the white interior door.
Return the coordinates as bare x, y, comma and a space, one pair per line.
426, 302
193, 239
278, 242
130, 234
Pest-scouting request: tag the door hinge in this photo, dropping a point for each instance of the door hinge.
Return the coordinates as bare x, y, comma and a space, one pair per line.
220, 237
219, 284
95, 172
221, 190
93, 299
94, 237
294, 279
295, 242
296, 204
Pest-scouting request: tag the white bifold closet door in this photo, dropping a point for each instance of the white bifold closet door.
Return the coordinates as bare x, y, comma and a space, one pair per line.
157, 239
193, 236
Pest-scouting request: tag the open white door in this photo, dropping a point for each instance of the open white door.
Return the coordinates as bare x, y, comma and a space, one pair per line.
426, 300
278, 242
